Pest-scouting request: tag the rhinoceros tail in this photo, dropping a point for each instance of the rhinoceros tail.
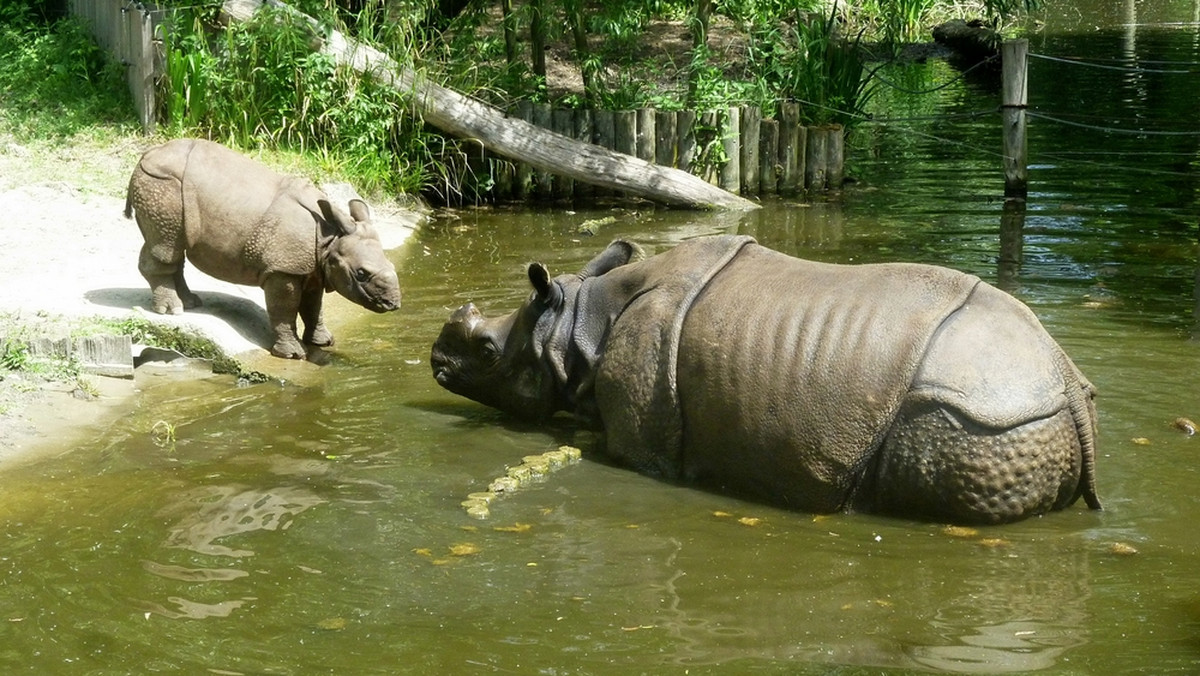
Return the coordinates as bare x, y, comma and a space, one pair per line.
128, 205
1079, 397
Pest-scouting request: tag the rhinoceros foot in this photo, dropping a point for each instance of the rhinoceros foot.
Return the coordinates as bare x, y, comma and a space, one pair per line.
321, 337
288, 348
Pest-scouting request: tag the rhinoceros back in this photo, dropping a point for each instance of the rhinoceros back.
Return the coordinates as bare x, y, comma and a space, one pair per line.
801, 366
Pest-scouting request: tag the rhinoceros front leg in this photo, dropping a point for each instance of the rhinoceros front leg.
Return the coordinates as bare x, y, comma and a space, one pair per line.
313, 316
283, 303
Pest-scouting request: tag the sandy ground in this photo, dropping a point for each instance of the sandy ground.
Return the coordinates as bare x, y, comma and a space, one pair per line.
70, 253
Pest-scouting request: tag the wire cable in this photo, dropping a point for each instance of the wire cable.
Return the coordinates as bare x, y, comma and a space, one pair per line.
1109, 130
1127, 69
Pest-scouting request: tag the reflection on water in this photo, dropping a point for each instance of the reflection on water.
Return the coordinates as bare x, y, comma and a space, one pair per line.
206, 514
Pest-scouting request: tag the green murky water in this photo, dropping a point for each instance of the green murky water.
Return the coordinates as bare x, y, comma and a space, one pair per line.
317, 529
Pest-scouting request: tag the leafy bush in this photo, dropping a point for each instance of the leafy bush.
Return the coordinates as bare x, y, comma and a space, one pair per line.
54, 80
261, 84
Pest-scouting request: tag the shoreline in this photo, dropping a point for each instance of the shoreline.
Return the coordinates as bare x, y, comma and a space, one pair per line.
72, 259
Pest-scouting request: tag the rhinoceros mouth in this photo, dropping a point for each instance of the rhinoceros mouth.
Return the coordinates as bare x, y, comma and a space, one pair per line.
382, 305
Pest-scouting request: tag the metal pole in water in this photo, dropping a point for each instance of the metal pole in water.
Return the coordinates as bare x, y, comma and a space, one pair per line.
1014, 99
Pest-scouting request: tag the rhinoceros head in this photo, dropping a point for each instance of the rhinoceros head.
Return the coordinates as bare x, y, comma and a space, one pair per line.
353, 261
518, 363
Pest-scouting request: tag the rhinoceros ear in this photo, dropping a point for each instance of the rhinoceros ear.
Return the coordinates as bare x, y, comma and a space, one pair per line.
547, 291
360, 211
337, 218
619, 253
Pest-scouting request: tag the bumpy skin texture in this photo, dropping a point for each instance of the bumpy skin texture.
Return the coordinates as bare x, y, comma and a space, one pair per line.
242, 223
899, 389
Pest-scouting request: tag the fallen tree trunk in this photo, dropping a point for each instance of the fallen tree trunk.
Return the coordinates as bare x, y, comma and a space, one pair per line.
513, 138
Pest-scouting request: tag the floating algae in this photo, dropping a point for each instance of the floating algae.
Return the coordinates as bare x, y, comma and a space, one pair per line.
533, 468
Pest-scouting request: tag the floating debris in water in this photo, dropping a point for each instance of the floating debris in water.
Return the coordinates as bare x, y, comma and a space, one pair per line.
533, 468
591, 227
750, 521
1140, 441
464, 549
1122, 549
515, 528
332, 624
960, 532
1184, 425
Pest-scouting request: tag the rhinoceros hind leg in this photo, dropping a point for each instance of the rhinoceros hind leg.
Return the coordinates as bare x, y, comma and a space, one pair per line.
934, 463
190, 300
163, 278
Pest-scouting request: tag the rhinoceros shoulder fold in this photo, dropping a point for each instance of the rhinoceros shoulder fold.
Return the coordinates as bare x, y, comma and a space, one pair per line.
636, 385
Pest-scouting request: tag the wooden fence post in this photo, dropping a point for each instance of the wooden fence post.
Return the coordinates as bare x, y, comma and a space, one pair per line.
543, 180
1014, 98
768, 157
646, 137
524, 178
604, 131
685, 124
563, 121
751, 126
584, 132
835, 152
815, 159
790, 151
731, 172
666, 138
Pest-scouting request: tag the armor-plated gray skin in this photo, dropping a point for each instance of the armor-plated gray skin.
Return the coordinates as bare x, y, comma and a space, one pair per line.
242, 223
900, 389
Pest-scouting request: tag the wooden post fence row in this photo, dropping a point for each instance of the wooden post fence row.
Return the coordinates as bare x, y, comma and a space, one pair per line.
733, 148
126, 31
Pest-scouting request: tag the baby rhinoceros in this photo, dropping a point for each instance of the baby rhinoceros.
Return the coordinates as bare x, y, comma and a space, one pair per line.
242, 223
901, 389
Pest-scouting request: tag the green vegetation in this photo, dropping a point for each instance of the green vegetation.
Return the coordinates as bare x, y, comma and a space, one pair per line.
169, 337
261, 86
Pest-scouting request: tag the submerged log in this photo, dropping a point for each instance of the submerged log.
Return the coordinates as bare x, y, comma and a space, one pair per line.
518, 140
972, 41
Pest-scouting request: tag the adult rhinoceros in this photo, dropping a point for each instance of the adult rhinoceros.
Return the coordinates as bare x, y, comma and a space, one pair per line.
900, 389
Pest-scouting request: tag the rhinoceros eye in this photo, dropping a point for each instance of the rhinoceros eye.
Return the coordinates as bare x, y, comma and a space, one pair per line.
489, 348
361, 275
